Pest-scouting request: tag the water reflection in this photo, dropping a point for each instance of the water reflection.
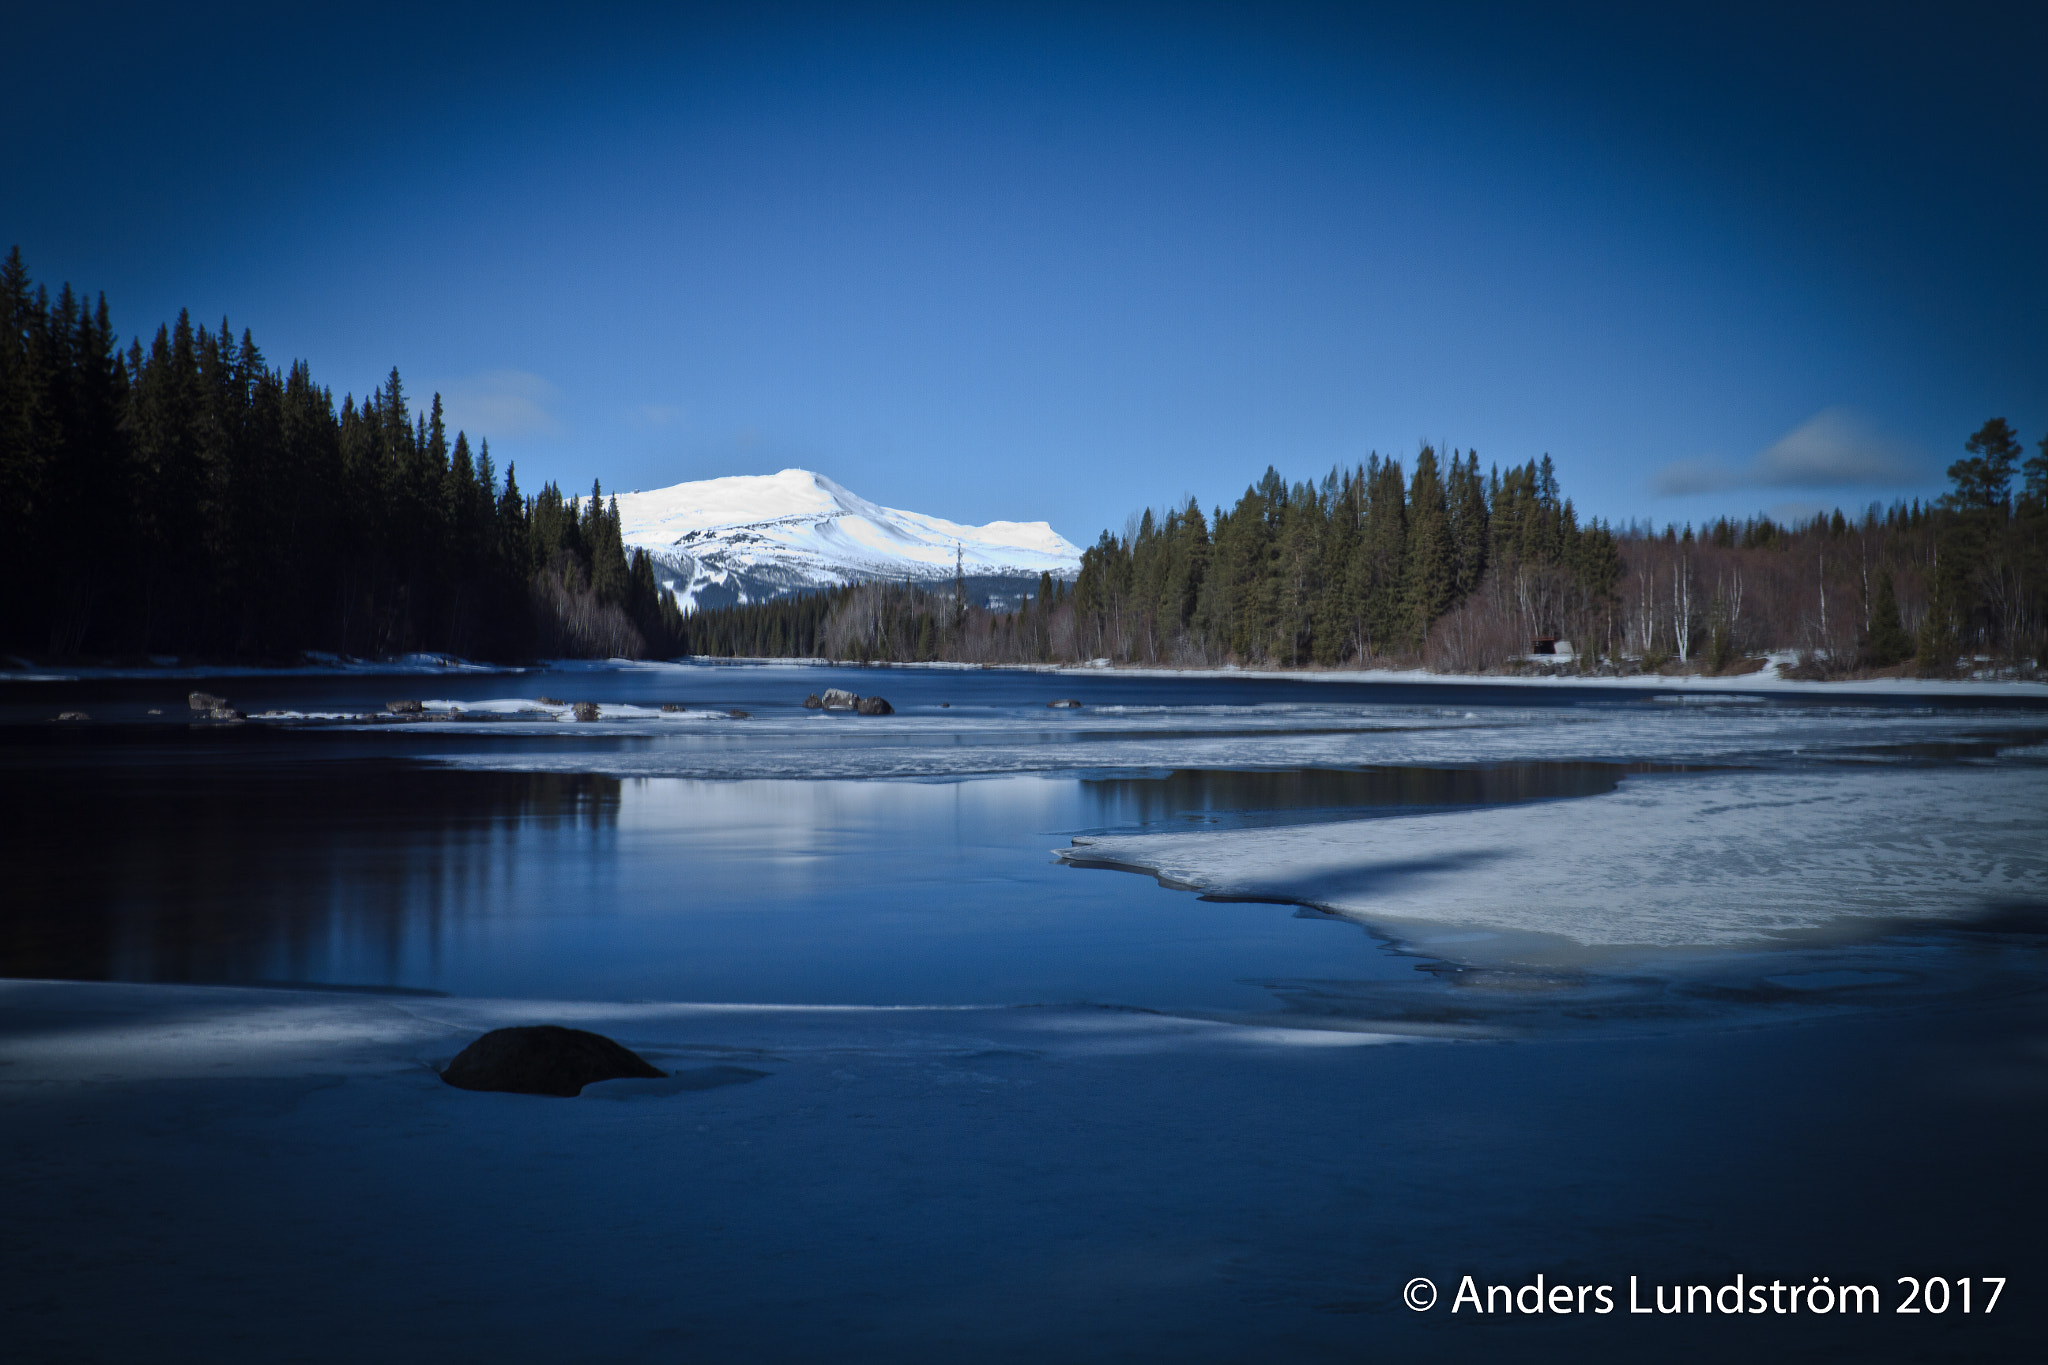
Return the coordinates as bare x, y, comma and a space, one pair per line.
242, 872
278, 861
1237, 799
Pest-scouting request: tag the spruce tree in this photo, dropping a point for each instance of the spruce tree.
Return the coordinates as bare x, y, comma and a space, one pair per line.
1431, 581
1380, 567
1470, 527
1336, 608
1888, 642
1183, 588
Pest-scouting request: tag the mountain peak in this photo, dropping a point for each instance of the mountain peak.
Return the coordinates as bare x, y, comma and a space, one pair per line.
747, 537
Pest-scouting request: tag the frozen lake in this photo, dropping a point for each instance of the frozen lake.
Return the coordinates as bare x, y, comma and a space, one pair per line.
493, 846
1414, 981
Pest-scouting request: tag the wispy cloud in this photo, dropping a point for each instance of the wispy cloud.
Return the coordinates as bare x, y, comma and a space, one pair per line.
1834, 448
507, 404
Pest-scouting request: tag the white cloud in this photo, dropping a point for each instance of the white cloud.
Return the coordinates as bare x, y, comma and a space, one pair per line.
1834, 448
503, 404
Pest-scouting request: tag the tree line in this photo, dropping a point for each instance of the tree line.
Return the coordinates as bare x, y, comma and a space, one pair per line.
1935, 588
1448, 568
190, 498
1361, 565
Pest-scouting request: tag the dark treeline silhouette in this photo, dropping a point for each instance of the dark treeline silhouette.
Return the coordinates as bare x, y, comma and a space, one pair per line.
1359, 566
781, 628
1456, 570
191, 499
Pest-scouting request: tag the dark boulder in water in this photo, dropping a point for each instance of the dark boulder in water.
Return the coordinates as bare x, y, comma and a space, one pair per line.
72, 715
1064, 704
544, 1059
405, 708
740, 715
586, 710
225, 712
839, 699
671, 706
205, 701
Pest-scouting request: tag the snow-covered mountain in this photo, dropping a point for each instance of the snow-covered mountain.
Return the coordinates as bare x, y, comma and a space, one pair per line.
752, 537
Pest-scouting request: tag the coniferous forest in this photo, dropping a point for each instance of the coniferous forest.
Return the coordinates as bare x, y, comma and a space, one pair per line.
1456, 570
189, 498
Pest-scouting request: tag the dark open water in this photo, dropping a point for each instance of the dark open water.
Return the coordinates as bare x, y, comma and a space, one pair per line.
149, 848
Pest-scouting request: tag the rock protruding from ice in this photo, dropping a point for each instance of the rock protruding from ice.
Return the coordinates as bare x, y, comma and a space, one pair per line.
216, 708
544, 1059
405, 708
839, 699
752, 537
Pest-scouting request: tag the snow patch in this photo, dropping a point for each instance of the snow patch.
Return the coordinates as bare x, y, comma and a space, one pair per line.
766, 535
1731, 857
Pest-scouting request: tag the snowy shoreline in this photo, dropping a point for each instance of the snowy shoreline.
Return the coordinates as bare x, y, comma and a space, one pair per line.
1765, 682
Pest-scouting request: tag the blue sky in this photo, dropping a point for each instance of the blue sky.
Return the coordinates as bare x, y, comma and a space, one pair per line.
1029, 262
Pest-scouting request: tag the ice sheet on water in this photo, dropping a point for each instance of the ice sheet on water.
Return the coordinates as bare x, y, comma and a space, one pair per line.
1769, 681
972, 742
513, 711
1694, 859
123, 1031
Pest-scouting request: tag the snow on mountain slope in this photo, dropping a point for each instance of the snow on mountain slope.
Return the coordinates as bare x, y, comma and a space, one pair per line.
751, 537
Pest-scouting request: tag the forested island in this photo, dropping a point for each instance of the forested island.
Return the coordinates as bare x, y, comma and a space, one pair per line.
191, 499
